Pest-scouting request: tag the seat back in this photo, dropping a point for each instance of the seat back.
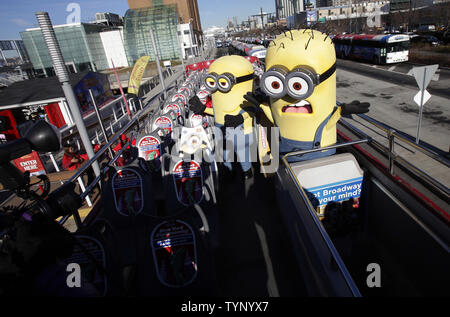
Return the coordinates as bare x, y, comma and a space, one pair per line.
335, 178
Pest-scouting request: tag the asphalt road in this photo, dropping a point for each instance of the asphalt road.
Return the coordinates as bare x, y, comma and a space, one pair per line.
398, 74
391, 97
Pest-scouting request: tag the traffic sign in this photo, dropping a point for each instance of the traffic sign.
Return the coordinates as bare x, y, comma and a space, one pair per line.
424, 74
423, 77
418, 98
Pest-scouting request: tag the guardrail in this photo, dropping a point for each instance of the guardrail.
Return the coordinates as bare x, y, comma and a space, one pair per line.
129, 125
313, 214
391, 135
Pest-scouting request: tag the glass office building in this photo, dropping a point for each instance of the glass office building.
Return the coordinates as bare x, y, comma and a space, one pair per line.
162, 19
80, 43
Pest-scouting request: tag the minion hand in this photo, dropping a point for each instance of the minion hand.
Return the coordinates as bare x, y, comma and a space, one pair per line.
354, 107
196, 105
257, 97
233, 121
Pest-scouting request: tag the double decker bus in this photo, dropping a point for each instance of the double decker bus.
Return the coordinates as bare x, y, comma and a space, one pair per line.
379, 49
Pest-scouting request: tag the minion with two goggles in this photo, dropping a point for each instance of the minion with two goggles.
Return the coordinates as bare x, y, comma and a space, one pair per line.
229, 78
298, 92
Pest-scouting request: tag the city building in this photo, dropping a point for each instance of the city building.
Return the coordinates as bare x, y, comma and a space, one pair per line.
163, 20
81, 46
353, 10
188, 40
334, 3
13, 45
400, 5
330, 3
187, 11
215, 31
286, 8
113, 44
107, 18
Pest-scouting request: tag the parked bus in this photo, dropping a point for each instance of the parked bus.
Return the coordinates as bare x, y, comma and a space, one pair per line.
379, 49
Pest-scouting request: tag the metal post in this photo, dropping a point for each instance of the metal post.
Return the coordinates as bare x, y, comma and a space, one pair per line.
421, 106
54, 162
4, 58
83, 189
391, 138
111, 127
155, 51
97, 136
63, 76
122, 107
181, 52
115, 115
100, 121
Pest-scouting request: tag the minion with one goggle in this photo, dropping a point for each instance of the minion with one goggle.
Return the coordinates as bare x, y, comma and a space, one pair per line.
300, 83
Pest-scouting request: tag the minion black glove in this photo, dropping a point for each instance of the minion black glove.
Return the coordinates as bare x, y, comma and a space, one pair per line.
257, 97
196, 105
233, 121
354, 107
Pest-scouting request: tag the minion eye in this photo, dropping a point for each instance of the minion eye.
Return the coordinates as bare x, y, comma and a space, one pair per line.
224, 84
274, 85
210, 83
298, 86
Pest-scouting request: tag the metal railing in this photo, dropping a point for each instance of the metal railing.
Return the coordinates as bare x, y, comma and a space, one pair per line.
326, 238
129, 125
392, 135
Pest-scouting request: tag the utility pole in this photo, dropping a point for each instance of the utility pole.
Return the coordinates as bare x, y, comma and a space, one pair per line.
262, 14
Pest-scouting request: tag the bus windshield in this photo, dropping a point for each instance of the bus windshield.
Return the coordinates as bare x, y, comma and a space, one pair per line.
398, 47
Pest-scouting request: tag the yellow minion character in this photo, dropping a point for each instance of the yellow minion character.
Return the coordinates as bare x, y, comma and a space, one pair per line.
300, 81
229, 78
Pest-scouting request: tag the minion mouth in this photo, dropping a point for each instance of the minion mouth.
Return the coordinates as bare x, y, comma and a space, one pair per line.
300, 107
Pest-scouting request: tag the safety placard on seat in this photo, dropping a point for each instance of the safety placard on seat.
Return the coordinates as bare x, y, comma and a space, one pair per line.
196, 120
179, 97
128, 193
188, 182
174, 107
150, 150
89, 269
174, 253
164, 123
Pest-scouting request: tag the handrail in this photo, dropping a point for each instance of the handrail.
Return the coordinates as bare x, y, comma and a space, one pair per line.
340, 263
111, 103
423, 147
113, 139
393, 157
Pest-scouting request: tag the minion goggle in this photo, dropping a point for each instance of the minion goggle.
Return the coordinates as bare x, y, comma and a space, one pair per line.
299, 83
224, 82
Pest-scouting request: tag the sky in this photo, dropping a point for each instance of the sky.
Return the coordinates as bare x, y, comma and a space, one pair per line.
18, 15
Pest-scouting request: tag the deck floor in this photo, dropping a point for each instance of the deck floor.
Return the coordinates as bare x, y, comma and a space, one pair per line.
254, 257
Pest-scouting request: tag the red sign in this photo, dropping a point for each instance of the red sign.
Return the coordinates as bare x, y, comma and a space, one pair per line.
164, 123
30, 163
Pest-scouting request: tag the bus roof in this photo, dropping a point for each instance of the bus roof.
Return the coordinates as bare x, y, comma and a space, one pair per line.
384, 38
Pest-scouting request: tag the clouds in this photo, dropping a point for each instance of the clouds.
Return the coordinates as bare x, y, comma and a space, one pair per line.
20, 22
